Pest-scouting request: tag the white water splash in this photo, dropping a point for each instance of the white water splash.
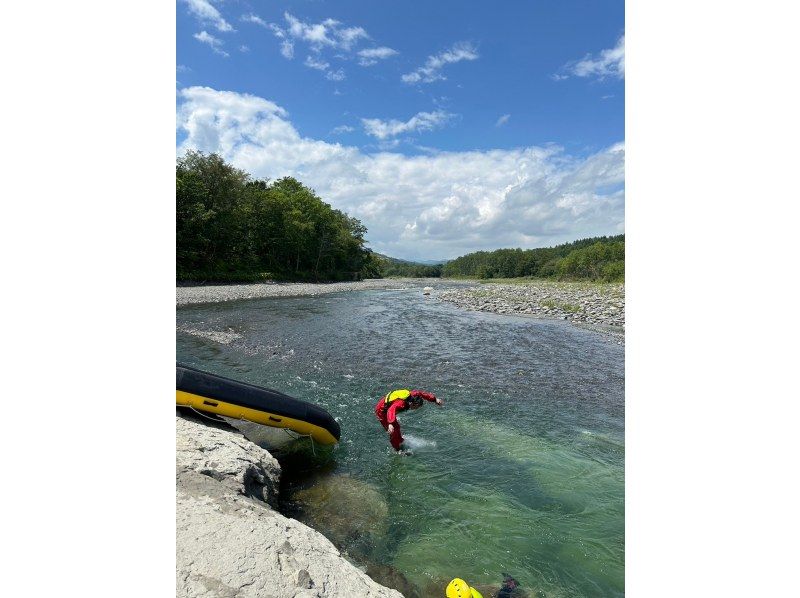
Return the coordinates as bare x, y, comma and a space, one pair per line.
416, 443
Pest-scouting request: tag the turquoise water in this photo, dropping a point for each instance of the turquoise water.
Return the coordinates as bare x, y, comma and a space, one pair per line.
521, 471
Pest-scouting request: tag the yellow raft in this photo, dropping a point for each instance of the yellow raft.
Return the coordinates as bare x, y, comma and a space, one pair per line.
223, 396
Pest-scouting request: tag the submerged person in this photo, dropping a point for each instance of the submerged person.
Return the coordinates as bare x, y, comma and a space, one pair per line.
400, 400
509, 585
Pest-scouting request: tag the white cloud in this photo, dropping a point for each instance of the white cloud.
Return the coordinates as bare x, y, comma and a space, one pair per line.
342, 129
329, 33
422, 121
337, 75
320, 65
430, 71
609, 63
207, 38
207, 14
371, 56
316, 63
350, 36
502, 120
251, 18
244, 48
441, 205
287, 49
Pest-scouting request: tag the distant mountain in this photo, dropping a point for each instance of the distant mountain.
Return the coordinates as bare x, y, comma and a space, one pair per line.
392, 266
432, 262
395, 260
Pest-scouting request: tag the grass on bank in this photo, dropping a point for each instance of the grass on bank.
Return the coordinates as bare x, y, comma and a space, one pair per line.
563, 306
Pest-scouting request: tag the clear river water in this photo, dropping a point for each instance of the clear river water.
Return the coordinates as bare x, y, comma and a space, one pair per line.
521, 471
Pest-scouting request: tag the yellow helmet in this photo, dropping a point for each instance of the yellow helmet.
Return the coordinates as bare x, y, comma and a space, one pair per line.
458, 588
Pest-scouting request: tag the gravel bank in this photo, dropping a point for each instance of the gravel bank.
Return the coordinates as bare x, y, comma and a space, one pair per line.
216, 294
595, 306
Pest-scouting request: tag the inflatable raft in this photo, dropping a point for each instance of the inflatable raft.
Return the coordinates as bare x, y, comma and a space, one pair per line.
222, 396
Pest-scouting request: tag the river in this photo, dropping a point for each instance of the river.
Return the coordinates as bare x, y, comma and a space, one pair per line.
521, 471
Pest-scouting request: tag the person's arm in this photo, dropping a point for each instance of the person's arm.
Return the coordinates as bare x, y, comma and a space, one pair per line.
391, 414
428, 396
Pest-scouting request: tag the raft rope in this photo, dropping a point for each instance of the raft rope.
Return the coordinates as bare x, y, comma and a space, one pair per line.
294, 435
200, 413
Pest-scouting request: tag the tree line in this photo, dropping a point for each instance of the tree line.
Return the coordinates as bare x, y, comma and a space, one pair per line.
596, 258
232, 227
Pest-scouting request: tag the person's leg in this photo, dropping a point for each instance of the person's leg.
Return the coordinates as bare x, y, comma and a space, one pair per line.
397, 437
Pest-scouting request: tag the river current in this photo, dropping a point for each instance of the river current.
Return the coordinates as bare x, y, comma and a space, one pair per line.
521, 471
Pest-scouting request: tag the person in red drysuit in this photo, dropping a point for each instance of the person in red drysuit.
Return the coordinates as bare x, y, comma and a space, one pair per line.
400, 400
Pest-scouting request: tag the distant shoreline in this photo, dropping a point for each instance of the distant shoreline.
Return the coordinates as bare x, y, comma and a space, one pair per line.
188, 295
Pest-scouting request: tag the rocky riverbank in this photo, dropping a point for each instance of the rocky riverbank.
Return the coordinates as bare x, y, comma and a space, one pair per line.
230, 540
233, 292
594, 305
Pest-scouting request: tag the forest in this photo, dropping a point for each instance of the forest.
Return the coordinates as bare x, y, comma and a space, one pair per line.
596, 258
232, 227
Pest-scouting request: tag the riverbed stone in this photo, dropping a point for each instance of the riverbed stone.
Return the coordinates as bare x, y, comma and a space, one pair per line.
350, 511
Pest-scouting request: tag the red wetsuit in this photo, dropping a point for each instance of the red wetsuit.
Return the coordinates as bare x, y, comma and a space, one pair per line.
387, 413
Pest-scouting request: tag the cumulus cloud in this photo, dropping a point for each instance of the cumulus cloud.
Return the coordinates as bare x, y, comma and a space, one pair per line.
441, 205
431, 70
371, 56
422, 121
609, 63
502, 120
342, 129
205, 12
208, 39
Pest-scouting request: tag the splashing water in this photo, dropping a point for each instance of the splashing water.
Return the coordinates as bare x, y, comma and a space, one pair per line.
418, 444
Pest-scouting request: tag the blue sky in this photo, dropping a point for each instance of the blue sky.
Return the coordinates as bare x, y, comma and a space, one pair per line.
446, 127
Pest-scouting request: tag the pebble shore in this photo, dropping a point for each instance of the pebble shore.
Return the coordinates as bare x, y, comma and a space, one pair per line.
215, 294
597, 306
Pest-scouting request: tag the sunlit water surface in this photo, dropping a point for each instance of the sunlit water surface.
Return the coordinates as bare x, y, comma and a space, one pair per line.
521, 471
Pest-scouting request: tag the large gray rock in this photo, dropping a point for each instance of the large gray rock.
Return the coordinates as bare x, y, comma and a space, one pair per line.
217, 450
230, 543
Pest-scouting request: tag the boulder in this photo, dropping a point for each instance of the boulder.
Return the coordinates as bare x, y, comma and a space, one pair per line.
230, 542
